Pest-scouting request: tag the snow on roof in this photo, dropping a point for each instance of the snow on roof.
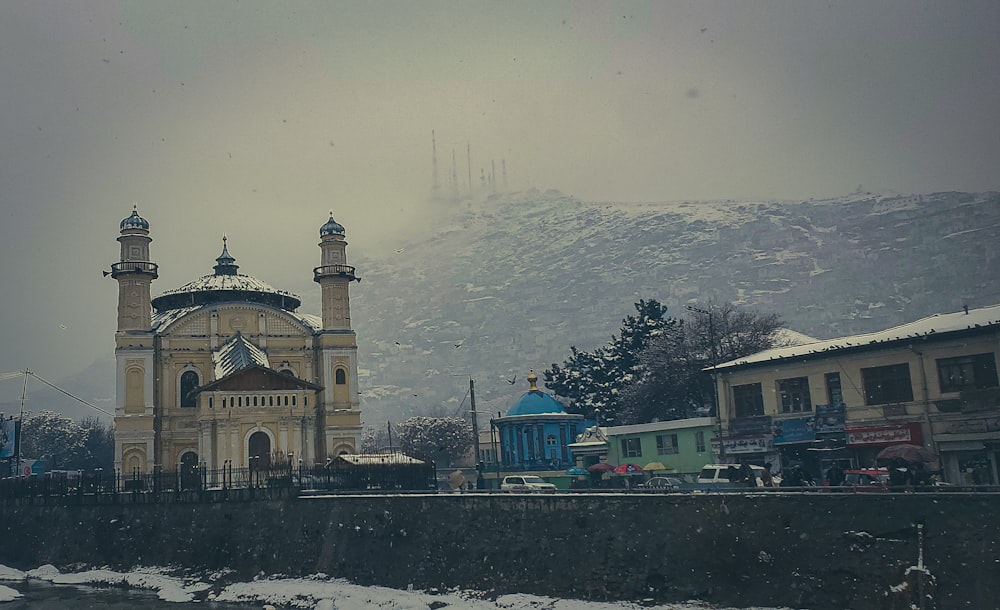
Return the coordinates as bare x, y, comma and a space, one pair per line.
692, 422
937, 325
370, 459
163, 319
236, 355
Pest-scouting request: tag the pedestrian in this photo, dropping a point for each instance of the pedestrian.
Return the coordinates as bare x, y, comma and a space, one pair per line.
834, 476
766, 477
747, 475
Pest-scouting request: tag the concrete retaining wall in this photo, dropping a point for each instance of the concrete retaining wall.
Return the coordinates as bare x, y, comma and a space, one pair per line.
818, 550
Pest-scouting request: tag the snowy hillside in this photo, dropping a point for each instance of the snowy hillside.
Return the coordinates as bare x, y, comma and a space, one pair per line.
510, 283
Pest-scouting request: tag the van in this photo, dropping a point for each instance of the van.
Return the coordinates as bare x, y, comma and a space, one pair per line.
719, 473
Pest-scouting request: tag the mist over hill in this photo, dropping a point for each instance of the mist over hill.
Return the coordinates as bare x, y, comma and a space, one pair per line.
509, 283
503, 284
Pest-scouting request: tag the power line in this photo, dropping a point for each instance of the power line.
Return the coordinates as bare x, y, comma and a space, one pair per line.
26, 372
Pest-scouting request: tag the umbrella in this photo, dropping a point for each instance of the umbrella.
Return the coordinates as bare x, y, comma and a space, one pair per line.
600, 467
576, 471
628, 469
911, 454
657, 466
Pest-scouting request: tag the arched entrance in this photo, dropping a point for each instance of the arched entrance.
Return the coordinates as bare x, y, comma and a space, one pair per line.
259, 450
190, 476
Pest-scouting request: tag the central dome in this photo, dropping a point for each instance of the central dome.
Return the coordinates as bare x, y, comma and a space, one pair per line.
535, 401
223, 286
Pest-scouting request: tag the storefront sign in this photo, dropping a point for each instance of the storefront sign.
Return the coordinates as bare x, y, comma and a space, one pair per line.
979, 425
829, 418
794, 430
751, 444
750, 426
884, 435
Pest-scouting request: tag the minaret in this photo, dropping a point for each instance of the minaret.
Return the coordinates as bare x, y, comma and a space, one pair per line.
338, 417
135, 273
135, 411
334, 276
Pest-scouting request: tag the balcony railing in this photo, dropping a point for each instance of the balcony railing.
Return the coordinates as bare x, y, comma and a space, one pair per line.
344, 271
143, 267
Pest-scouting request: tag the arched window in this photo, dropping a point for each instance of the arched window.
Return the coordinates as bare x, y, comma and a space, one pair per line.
255, 401
189, 381
341, 377
270, 401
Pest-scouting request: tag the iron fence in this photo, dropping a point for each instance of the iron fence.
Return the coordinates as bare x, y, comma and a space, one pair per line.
201, 484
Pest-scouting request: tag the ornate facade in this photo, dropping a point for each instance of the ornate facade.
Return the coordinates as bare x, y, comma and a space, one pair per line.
224, 370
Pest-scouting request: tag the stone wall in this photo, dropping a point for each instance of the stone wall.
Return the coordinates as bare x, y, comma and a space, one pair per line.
818, 550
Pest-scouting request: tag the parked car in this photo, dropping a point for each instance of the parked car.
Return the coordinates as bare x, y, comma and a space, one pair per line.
663, 484
867, 479
525, 483
719, 473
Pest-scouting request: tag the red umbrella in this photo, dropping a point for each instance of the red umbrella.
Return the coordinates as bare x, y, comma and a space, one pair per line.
911, 454
628, 469
600, 467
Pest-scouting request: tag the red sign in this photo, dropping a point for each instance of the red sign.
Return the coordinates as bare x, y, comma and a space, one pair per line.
885, 435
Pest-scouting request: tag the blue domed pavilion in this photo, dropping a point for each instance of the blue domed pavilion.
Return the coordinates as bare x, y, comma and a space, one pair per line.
536, 431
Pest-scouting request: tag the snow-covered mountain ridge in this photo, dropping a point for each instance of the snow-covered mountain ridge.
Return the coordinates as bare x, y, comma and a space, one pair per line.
509, 283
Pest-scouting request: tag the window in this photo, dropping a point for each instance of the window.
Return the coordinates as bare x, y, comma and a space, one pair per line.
699, 441
666, 444
974, 372
834, 394
340, 377
748, 400
794, 395
550, 440
887, 384
189, 381
631, 447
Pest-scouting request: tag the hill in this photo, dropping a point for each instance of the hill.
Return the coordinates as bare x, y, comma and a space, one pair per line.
509, 283
493, 287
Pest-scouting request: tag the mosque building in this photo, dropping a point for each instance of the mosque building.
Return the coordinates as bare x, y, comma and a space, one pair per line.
536, 432
223, 371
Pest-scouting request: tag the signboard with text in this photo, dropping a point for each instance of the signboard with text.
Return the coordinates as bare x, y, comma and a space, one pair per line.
750, 444
885, 435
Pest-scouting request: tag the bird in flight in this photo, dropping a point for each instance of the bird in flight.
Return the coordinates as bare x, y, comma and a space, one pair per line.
512, 379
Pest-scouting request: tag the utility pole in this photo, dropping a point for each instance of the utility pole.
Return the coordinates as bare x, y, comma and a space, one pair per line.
19, 428
475, 419
715, 376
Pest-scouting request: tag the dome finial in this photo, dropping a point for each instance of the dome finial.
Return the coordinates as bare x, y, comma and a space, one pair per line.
532, 381
332, 227
226, 263
134, 221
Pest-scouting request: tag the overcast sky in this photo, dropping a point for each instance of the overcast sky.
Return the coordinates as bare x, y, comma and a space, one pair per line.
257, 118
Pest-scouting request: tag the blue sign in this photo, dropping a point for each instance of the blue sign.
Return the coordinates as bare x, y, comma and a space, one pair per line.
830, 418
794, 430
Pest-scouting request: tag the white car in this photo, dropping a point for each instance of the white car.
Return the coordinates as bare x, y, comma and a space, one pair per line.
719, 473
525, 483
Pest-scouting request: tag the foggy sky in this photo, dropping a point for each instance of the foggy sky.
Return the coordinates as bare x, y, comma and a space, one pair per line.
256, 119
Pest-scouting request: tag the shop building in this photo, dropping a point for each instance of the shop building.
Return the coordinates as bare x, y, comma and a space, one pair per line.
932, 382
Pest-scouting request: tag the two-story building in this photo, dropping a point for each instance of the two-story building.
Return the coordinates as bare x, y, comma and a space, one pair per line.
932, 382
678, 447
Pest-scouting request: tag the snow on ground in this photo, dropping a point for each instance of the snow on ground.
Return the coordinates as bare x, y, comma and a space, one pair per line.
7, 594
318, 592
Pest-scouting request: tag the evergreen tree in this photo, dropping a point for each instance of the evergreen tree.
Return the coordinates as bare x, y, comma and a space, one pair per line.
593, 382
671, 382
